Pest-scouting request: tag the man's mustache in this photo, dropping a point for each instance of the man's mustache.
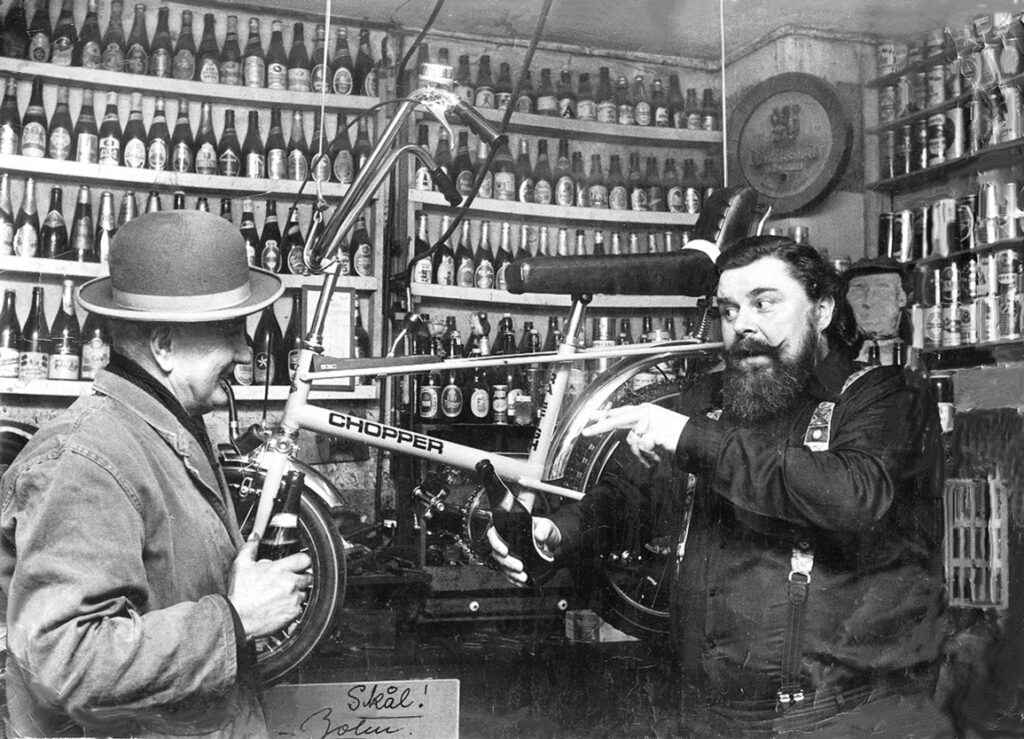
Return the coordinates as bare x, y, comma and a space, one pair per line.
749, 347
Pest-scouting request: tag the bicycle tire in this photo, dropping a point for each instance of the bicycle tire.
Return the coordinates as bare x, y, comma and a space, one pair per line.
280, 654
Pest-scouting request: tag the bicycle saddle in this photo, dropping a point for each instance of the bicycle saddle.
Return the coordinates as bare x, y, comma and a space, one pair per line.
727, 215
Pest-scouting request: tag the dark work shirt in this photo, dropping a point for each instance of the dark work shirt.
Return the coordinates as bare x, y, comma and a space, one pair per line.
869, 506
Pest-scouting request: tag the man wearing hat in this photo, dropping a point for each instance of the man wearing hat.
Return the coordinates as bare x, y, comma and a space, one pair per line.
132, 601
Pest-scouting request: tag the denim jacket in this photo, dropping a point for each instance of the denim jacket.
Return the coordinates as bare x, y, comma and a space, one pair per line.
116, 544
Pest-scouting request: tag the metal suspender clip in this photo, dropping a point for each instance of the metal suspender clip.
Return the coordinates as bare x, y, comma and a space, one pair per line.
801, 563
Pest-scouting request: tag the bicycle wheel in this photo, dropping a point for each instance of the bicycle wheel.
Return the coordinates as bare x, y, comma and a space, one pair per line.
319, 537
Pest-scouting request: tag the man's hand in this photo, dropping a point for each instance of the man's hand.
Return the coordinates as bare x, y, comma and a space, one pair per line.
544, 531
651, 427
268, 595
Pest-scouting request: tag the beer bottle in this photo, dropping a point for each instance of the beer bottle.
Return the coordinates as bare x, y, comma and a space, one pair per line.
641, 102
579, 177
655, 186
634, 243
161, 53
581, 243
341, 64
443, 153
364, 80
597, 186
281, 538
183, 64
110, 133
598, 250
178, 203
33, 123
362, 147
277, 58
153, 203
292, 244
661, 116
709, 111
267, 342
203, 204
503, 87
242, 372
563, 243
276, 149
253, 157
624, 102
39, 34
503, 257
465, 267
565, 188
422, 267
136, 60
86, 137
81, 235
523, 252
675, 102
105, 227
113, 45
6, 217
542, 241
483, 94
463, 166
206, 160
486, 189
182, 144
320, 75
554, 335
254, 65
10, 121
340, 152
429, 402
158, 140
10, 336
248, 231
298, 61
291, 344
298, 149
65, 36
524, 173
134, 154
565, 96
14, 37
543, 187
26, 225
606, 109
53, 236
361, 343
673, 187
34, 349
361, 249
464, 81
477, 398
65, 336
270, 240
547, 102
231, 55
207, 64
451, 397
129, 209
504, 173
225, 210
229, 153
423, 180
443, 263
95, 344
60, 136
636, 185
526, 98
484, 276
691, 109
586, 103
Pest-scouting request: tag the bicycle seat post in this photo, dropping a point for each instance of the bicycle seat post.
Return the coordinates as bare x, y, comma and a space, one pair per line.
576, 319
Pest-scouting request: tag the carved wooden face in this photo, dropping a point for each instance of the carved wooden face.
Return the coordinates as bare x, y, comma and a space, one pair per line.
876, 300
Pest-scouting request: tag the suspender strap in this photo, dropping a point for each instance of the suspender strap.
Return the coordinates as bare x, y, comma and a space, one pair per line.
801, 564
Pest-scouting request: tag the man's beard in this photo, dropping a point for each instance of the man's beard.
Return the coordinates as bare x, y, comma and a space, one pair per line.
757, 394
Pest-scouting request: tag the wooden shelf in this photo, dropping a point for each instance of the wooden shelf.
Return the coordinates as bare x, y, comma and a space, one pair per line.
559, 213
922, 66
1004, 155
543, 300
249, 97
68, 389
1016, 243
61, 268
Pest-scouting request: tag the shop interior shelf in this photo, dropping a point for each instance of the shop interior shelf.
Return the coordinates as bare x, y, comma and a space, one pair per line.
541, 300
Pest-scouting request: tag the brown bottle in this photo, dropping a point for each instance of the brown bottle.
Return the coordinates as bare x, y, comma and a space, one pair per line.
64, 362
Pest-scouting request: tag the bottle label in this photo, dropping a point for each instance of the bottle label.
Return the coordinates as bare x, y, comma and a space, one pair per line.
298, 166
6, 237
60, 51
487, 186
582, 197
423, 179
135, 154
209, 71
254, 71
464, 182
229, 164
626, 115
316, 79
484, 276
465, 275
502, 100
598, 195
586, 110
428, 401
484, 97
618, 198
26, 242
206, 159
185, 65
110, 150
156, 154
642, 114
547, 105
342, 82
422, 272
499, 403
63, 367
39, 47
33, 140
505, 186
662, 117
344, 170
678, 119
255, 165
566, 107
542, 192
451, 401
243, 373
53, 219
321, 169
655, 198
8, 361
298, 79
136, 61
691, 200
181, 158
230, 73
33, 365
638, 198
87, 148
499, 277
10, 142
524, 104
362, 261
565, 191
344, 265
479, 402
263, 365
270, 256
95, 356
295, 263
674, 199
160, 63
113, 58
693, 121
446, 271
607, 112
370, 84
277, 76
277, 164
525, 192
60, 144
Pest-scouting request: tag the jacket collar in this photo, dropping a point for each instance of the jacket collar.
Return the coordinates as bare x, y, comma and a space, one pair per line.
829, 376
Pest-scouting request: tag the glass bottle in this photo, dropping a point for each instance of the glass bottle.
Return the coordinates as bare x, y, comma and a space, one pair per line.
487, 180
675, 102
504, 173
361, 249
82, 232
340, 152
33, 123
109, 142
673, 186
298, 149
641, 102
624, 102
636, 184
476, 398
182, 144
113, 44
547, 102
266, 343
565, 187
158, 139
422, 267
484, 258
607, 111
183, 63
277, 58
691, 108
61, 133
34, 348
64, 362
292, 244
504, 257
231, 55
178, 202
205, 145
565, 96
465, 267
586, 103
95, 341
503, 87
341, 64
248, 230
253, 156
65, 36
526, 98
319, 75
161, 52
362, 147
270, 240
40, 34
483, 94
53, 236
443, 153
153, 203
254, 64
129, 209
86, 136
26, 224
661, 116
134, 139
298, 61
208, 56
276, 149
6, 217
10, 120
579, 177
443, 266
655, 186
524, 172
618, 194
462, 173
229, 151
423, 180
597, 186
136, 58
543, 186
291, 344
10, 336
364, 78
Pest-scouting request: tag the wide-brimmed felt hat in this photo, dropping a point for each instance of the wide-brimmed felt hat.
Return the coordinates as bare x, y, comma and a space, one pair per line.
181, 266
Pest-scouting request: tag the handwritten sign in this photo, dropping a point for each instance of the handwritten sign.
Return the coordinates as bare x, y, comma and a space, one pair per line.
409, 709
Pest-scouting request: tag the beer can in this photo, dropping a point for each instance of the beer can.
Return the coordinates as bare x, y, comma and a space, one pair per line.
980, 128
936, 85
887, 155
903, 235
949, 283
988, 318
950, 324
988, 214
905, 150
1008, 212
886, 228
956, 132
1010, 125
954, 79
900, 54
966, 210
937, 139
1009, 314
918, 82
904, 97
944, 227
1008, 267
885, 53
922, 232
887, 104
920, 148
499, 403
968, 321
931, 297
968, 279
987, 275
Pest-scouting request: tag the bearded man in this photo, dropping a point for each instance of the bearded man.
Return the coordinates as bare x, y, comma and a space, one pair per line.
809, 600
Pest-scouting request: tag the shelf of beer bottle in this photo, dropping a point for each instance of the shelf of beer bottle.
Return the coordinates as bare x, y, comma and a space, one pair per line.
917, 115
1016, 243
247, 97
998, 156
561, 213
107, 175
72, 389
932, 60
62, 268
543, 300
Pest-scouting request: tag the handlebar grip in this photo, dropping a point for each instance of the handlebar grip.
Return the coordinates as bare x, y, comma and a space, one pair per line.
446, 186
478, 124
